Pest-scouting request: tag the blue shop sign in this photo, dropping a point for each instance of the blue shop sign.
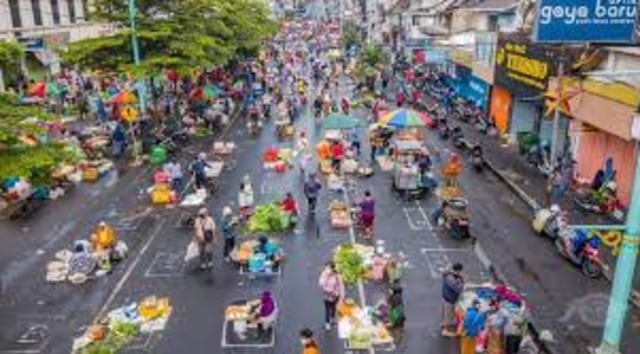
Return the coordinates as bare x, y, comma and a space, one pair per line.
602, 21
476, 91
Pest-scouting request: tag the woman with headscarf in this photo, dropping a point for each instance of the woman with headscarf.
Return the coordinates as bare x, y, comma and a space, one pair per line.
265, 313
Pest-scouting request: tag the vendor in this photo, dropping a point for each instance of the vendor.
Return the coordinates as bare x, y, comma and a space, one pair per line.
103, 238
270, 249
391, 309
289, 206
337, 154
265, 313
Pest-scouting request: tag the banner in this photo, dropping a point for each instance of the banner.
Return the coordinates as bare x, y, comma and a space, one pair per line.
602, 21
521, 67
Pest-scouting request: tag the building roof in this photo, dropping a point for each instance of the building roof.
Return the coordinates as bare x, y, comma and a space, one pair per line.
489, 5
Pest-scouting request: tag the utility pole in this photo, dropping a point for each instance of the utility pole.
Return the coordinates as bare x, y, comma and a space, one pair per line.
139, 85
623, 278
556, 117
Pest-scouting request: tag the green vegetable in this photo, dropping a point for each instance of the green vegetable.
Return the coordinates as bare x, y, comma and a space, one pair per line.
118, 336
268, 218
348, 263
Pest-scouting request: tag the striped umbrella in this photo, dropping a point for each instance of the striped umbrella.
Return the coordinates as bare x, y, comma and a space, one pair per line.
405, 118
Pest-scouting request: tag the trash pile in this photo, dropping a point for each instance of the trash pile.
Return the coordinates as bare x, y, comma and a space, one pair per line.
89, 258
122, 325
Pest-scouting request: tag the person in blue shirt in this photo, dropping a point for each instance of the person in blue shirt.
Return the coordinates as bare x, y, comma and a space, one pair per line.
118, 140
472, 325
228, 232
198, 167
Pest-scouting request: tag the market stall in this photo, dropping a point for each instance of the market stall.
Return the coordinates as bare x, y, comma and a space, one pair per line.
277, 159
122, 326
263, 256
361, 330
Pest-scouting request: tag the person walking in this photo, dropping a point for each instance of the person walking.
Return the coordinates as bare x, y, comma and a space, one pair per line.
205, 234
311, 190
309, 345
228, 232
452, 286
333, 290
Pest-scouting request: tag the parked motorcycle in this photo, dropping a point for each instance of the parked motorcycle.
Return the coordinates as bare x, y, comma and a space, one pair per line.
602, 201
458, 138
573, 244
455, 218
444, 132
477, 158
587, 257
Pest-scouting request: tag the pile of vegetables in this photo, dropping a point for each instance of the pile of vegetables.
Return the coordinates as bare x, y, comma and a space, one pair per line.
349, 263
118, 336
268, 218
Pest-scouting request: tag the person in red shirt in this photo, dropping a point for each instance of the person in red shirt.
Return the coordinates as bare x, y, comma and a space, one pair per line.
399, 99
337, 153
290, 207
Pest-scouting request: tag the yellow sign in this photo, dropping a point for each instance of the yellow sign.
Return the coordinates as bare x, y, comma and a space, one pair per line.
616, 91
129, 114
461, 57
522, 68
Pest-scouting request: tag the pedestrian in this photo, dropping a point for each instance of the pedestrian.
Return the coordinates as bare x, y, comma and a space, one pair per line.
337, 153
452, 286
354, 138
555, 191
472, 325
311, 190
174, 170
333, 290
228, 232
309, 345
245, 200
198, 167
514, 330
205, 233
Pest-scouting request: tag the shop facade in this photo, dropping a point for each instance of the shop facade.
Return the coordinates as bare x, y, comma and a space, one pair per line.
463, 80
523, 70
601, 129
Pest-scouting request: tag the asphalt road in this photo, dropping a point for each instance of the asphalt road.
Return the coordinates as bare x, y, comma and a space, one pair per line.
36, 317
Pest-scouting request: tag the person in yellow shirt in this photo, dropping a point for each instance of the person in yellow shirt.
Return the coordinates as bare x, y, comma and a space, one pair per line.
103, 238
309, 345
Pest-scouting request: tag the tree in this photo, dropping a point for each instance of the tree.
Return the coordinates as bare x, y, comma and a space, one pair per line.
10, 55
175, 34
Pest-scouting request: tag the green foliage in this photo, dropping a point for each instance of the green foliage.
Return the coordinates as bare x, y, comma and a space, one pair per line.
10, 54
17, 120
374, 56
348, 263
350, 35
176, 34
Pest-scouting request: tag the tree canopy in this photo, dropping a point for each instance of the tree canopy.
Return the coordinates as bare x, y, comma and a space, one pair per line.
10, 54
176, 34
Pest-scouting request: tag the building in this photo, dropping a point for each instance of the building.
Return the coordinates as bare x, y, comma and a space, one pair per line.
43, 25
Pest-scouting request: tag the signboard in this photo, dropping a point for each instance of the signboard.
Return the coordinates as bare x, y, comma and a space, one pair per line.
521, 67
461, 57
476, 91
603, 21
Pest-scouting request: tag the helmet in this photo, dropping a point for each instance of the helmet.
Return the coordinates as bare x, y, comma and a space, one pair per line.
202, 156
554, 209
612, 186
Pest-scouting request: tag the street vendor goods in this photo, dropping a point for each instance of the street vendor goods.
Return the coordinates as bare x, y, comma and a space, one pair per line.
121, 326
259, 256
349, 263
268, 218
339, 215
360, 328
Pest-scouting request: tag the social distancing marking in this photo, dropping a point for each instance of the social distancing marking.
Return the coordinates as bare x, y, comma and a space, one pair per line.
166, 264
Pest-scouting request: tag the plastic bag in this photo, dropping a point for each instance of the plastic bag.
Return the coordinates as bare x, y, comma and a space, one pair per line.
192, 251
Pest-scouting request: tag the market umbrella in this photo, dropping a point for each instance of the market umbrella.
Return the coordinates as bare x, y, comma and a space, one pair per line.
211, 91
405, 118
339, 122
123, 97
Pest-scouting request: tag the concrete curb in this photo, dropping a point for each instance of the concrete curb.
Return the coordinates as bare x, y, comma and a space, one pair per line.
534, 205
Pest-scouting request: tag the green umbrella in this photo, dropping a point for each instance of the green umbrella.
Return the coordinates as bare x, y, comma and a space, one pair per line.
339, 122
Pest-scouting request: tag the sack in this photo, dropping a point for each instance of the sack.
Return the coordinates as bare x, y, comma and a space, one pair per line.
192, 251
208, 236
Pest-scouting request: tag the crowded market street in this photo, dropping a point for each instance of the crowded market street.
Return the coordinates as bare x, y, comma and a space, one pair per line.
302, 124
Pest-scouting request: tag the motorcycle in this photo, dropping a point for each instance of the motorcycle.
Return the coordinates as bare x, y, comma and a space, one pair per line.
537, 156
458, 138
477, 159
602, 201
455, 218
587, 257
444, 132
550, 222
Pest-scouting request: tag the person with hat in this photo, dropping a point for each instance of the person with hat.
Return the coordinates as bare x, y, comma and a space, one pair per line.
228, 232
205, 234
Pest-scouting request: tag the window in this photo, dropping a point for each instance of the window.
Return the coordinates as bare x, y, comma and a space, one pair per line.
72, 11
55, 12
14, 8
37, 13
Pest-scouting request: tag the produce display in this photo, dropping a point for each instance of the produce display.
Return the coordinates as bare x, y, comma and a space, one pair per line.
349, 263
268, 218
122, 325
